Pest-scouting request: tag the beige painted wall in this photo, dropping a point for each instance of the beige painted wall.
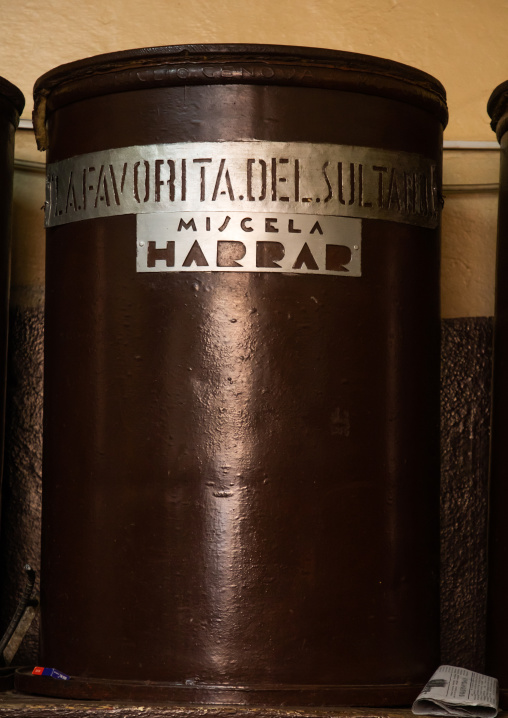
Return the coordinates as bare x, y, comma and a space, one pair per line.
461, 42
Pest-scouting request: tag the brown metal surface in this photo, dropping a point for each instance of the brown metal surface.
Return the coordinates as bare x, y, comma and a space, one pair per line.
497, 628
241, 470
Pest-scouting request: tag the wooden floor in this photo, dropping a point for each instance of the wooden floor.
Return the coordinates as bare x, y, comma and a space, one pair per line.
20, 705
14, 704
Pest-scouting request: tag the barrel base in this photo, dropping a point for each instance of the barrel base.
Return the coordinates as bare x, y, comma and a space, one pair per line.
503, 697
99, 689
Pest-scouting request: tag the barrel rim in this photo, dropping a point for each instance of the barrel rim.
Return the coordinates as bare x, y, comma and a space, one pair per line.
343, 70
107, 61
12, 94
497, 106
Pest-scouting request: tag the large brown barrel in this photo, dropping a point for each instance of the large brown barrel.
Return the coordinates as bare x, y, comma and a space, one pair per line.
497, 625
12, 103
241, 461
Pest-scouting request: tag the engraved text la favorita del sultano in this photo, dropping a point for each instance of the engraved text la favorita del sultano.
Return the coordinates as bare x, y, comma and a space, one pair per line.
245, 176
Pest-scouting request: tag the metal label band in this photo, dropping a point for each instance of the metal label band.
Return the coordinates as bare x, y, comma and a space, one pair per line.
293, 178
236, 242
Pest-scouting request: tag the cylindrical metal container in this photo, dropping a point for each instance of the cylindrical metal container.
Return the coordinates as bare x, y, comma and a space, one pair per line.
12, 103
241, 460
497, 614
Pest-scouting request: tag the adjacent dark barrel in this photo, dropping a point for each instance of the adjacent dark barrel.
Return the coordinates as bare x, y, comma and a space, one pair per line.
497, 614
241, 420
12, 103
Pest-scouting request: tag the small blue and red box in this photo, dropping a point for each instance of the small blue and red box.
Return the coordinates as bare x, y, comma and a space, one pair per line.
51, 672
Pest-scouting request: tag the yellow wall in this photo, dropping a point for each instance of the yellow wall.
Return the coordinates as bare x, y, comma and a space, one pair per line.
461, 42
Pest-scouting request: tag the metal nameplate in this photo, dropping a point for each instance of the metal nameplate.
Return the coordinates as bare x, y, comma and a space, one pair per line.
248, 177
238, 242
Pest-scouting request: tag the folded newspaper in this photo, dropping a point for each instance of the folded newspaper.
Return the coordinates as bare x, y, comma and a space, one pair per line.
456, 691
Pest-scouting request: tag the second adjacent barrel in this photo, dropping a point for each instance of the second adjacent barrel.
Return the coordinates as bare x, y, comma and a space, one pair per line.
497, 615
12, 103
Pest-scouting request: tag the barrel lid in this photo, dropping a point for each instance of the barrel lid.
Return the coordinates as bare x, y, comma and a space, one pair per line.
11, 93
281, 65
496, 107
